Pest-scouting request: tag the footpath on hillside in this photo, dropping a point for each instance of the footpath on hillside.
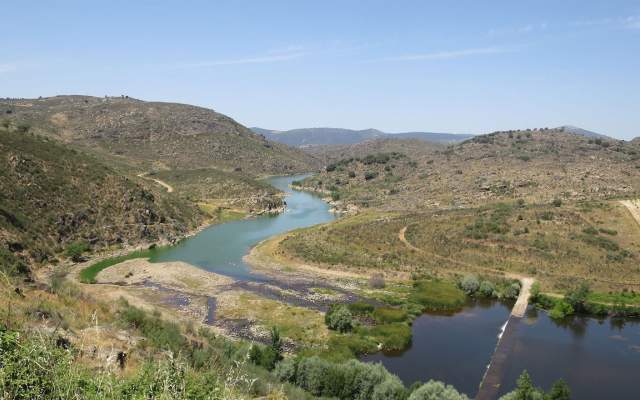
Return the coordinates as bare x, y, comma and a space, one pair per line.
158, 181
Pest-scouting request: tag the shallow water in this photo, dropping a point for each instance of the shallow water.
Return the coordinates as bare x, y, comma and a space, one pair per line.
220, 248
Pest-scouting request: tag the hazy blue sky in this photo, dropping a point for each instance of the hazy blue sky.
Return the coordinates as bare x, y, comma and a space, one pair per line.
454, 66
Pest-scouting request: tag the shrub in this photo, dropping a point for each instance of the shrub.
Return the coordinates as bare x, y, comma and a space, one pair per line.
286, 370
487, 289
352, 174
577, 297
512, 291
470, 284
339, 318
389, 389
369, 175
560, 310
556, 202
434, 390
75, 250
377, 281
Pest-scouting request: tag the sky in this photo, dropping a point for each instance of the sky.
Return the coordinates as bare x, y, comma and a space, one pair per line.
441, 66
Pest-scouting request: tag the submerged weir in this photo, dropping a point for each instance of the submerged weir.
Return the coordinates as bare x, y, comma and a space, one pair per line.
492, 379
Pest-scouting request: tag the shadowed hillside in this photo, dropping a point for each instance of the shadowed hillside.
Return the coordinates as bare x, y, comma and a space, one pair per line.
53, 198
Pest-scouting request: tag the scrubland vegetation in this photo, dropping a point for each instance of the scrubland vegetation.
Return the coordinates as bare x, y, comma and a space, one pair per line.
592, 242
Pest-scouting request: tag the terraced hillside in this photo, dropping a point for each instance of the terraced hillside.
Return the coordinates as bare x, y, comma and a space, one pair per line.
163, 135
55, 200
534, 165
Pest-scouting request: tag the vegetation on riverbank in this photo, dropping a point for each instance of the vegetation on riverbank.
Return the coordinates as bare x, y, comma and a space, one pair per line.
89, 274
581, 300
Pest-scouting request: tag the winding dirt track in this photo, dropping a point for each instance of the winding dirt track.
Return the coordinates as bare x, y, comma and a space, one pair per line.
158, 181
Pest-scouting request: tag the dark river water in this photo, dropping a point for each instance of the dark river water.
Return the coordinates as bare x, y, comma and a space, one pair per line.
600, 359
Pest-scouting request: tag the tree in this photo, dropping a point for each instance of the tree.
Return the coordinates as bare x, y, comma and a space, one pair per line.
578, 296
559, 391
276, 343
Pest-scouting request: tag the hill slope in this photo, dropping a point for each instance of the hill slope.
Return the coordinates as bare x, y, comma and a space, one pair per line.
52, 196
168, 135
336, 136
537, 166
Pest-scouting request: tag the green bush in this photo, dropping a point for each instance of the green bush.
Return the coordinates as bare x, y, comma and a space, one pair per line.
511, 291
470, 284
526, 391
75, 250
434, 390
339, 318
353, 380
560, 310
487, 289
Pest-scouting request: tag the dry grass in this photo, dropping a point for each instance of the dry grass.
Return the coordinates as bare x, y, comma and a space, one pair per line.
595, 241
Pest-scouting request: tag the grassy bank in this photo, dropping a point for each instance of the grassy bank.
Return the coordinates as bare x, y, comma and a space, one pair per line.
89, 274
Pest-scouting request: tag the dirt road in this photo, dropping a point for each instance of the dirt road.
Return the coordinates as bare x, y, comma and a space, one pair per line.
158, 181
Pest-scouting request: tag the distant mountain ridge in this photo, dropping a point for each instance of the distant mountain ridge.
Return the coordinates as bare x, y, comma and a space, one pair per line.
583, 132
304, 137
330, 136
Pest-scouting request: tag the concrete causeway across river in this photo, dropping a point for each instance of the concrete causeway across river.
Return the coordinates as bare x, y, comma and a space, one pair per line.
490, 385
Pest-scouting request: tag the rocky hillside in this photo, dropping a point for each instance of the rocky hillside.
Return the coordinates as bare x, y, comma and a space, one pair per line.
534, 165
55, 200
165, 135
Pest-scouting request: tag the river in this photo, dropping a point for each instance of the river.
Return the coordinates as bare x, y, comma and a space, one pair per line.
598, 358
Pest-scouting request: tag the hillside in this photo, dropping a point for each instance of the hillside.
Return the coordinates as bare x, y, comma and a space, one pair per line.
536, 165
163, 135
53, 197
337, 136
560, 245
